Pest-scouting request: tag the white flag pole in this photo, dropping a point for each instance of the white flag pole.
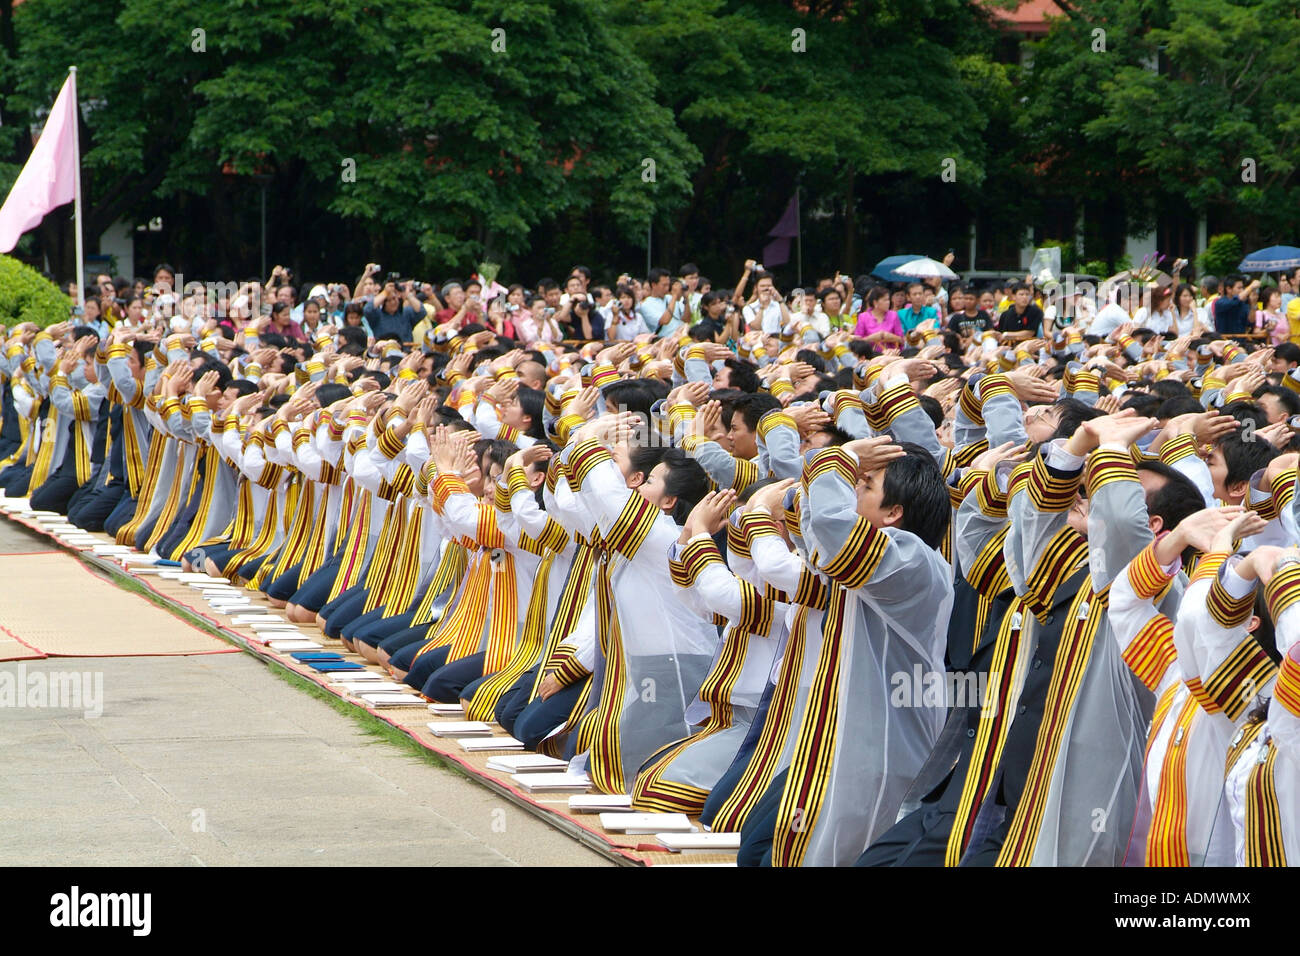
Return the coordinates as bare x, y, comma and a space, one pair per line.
76, 190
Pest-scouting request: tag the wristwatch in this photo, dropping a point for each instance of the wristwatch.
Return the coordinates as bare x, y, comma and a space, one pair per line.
1286, 561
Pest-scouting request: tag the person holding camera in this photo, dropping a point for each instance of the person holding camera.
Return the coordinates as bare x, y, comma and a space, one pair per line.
388, 316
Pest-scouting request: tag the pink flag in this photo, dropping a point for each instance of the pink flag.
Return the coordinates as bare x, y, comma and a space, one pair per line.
49, 178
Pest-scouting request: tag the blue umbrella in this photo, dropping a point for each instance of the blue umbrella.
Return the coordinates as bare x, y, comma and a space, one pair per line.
885, 268
1272, 259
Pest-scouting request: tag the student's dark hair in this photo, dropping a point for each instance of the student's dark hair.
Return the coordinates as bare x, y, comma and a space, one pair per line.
915, 482
1073, 414
844, 378
243, 386
861, 348
275, 401
1142, 402
1266, 633
744, 375
328, 393
381, 377
809, 357
643, 458
452, 419
498, 450
211, 364
655, 274
1244, 458
752, 407
1178, 405
686, 480
700, 332
837, 435
631, 394
353, 350
932, 407
1244, 411
1169, 388
1287, 352
1176, 499
80, 330
142, 351
487, 354
533, 404
1018, 286
1289, 400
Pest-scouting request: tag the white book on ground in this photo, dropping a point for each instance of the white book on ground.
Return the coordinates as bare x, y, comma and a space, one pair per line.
393, 700
525, 763
302, 645
460, 728
141, 559
367, 687
552, 782
447, 710
699, 842
353, 677
647, 822
600, 803
475, 744
111, 549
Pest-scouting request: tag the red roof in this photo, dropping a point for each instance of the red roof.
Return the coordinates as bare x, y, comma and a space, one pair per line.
1029, 17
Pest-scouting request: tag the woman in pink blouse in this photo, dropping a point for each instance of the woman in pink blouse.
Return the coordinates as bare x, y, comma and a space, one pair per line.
1270, 317
878, 323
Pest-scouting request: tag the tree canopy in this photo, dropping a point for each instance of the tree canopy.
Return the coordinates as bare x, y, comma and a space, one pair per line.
436, 133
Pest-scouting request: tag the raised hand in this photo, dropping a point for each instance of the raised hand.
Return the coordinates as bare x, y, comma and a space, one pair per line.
874, 453
710, 515
1007, 451
1242, 524
808, 418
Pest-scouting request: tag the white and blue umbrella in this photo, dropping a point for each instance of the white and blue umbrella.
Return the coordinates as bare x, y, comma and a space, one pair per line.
1272, 259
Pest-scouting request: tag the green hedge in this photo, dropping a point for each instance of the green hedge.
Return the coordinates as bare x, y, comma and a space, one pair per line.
1222, 255
27, 296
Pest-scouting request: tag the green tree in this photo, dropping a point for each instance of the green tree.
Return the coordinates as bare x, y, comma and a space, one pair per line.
1216, 125
463, 140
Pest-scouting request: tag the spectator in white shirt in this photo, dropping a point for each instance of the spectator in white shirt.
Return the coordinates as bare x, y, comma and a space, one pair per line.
623, 323
767, 312
1187, 315
1112, 315
1158, 316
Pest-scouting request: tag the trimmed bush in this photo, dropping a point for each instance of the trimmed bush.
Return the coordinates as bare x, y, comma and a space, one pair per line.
27, 296
1222, 255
